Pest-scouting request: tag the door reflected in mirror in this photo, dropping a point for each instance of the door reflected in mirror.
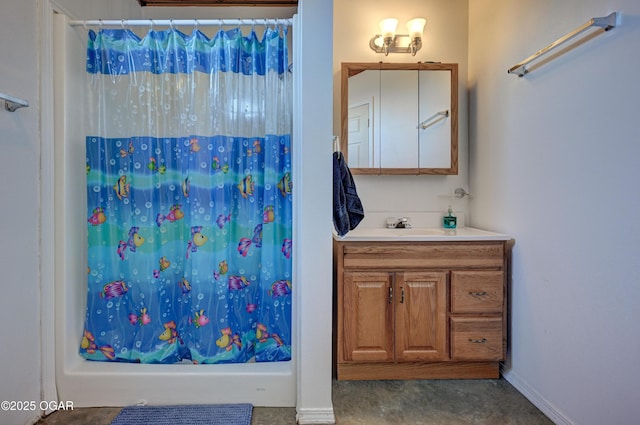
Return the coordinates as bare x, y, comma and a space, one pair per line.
364, 94
400, 118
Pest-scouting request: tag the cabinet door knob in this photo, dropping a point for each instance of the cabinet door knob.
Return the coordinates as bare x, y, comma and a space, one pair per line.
390, 294
477, 340
402, 295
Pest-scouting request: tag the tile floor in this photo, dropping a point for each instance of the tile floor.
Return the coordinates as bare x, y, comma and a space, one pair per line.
420, 402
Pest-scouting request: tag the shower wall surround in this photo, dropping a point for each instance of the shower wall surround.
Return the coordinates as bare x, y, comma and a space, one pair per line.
304, 382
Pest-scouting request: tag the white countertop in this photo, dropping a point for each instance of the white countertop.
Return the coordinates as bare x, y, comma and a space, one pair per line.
420, 234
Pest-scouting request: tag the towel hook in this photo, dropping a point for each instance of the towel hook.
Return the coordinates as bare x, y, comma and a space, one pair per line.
12, 103
336, 144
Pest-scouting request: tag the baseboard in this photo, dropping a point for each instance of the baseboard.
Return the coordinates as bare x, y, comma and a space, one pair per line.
315, 416
418, 370
534, 397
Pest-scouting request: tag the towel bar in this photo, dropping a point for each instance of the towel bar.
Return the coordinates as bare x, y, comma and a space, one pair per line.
607, 22
438, 116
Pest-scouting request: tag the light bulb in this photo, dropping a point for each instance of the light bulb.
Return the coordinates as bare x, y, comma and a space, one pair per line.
416, 27
388, 27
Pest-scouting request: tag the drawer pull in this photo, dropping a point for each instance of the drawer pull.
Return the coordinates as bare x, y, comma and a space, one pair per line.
390, 294
402, 295
477, 340
478, 293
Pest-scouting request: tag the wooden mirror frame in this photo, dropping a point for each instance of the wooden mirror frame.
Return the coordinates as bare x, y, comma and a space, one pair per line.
350, 69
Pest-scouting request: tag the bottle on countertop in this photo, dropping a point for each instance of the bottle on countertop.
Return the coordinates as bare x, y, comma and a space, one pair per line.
449, 221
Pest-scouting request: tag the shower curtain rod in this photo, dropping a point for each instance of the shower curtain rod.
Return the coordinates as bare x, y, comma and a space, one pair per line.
177, 22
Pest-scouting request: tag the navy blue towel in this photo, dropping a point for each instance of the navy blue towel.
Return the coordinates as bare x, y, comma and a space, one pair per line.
347, 207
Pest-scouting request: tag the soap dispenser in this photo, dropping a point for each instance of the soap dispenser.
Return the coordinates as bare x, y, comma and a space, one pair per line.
449, 221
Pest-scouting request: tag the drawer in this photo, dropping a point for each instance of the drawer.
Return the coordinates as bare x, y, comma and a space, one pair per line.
479, 338
441, 255
477, 291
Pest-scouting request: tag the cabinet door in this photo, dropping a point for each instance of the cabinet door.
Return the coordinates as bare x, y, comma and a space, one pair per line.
421, 316
367, 309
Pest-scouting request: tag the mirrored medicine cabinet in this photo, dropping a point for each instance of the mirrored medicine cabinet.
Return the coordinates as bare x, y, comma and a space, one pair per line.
400, 118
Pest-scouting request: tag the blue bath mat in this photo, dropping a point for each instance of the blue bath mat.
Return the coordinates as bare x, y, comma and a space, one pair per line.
207, 414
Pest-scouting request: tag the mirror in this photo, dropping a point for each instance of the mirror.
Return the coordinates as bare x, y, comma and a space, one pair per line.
400, 118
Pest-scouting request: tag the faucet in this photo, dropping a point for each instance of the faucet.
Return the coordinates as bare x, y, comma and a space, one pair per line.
402, 223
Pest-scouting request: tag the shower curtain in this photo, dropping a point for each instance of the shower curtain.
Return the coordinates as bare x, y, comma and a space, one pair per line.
189, 222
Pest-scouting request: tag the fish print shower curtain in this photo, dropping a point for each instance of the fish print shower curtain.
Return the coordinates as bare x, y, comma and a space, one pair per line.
189, 197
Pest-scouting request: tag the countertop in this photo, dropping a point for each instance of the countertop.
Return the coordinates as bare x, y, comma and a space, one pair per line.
420, 234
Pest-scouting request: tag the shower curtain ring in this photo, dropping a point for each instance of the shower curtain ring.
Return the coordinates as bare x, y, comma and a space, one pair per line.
196, 25
122, 24
171, 23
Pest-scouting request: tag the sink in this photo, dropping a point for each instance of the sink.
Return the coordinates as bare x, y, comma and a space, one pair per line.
415, 232
420, 234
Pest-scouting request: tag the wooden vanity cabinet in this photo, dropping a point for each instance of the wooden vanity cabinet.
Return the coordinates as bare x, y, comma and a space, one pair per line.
419, 310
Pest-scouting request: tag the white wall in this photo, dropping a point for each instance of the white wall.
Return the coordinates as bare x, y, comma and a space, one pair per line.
554, 163
19, 165
312, 216
98, 9
445, 40
21, 354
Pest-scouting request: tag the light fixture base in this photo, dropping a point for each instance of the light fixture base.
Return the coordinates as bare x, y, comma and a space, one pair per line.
401, 43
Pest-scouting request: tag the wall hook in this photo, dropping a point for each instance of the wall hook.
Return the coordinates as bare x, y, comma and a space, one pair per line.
461, 193
12, 103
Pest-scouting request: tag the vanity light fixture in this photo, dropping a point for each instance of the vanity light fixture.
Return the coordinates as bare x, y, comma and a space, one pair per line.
389, 42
